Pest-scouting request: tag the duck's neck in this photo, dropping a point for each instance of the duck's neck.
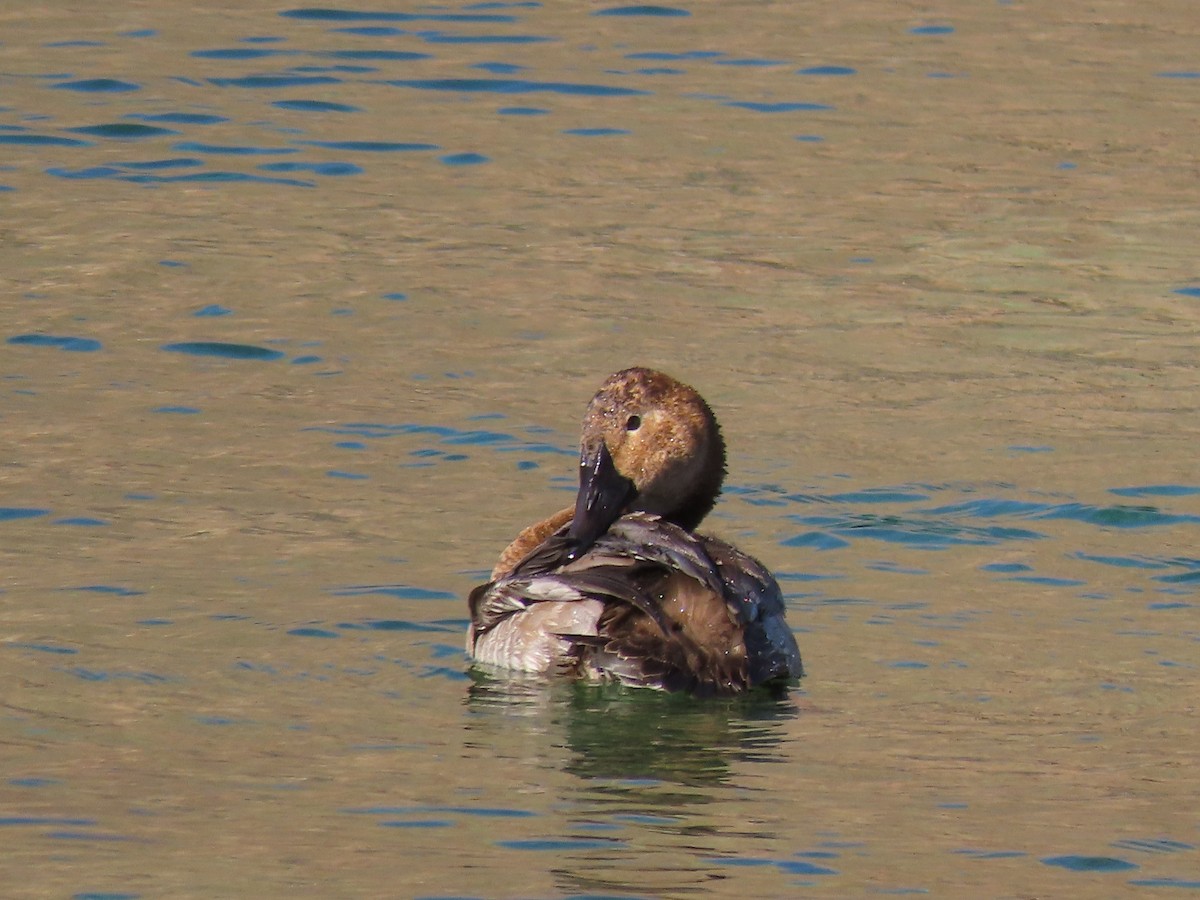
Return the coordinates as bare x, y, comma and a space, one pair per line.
704, 491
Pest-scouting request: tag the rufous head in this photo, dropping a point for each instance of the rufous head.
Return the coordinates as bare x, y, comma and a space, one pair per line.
649, 443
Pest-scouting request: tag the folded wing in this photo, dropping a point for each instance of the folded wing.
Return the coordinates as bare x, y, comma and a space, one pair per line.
648, 604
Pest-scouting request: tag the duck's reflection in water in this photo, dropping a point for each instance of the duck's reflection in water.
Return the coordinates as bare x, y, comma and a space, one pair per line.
654, 790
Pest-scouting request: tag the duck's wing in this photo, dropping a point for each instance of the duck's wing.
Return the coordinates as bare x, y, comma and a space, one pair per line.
495, 601
647, 538
754, 594
710, 584
689, 638
700, 651
679, 611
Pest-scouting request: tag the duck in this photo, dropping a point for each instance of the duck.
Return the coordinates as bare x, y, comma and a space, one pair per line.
619, 586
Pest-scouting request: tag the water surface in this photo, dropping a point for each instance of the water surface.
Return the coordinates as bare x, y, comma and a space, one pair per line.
304, 305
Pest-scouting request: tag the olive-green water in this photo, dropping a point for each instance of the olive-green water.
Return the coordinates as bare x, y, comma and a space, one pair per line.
299, 310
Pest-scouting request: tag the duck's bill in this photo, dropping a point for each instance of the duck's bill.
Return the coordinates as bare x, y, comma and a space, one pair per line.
603, 493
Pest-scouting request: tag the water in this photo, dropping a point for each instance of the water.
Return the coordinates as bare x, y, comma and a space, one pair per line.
302, 310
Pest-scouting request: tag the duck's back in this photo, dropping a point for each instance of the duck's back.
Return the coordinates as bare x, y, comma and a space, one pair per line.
648, 604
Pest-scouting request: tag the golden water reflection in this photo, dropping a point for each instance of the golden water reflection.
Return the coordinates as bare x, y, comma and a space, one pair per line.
948, 325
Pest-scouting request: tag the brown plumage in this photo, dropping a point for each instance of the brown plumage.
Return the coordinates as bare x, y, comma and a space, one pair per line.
620, 586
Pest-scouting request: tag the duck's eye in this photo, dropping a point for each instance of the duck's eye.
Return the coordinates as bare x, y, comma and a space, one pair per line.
633, 423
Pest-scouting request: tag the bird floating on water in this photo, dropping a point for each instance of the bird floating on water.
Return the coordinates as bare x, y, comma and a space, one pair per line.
620, 586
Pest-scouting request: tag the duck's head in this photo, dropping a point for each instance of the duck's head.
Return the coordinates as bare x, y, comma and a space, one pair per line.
650, 443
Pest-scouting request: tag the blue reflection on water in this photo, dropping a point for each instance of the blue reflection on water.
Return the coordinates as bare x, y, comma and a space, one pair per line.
280, 68
1089, 863
99, 86
59, 342
661, 12
224, 350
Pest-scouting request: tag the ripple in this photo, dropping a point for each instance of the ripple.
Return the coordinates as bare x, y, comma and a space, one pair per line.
515, 86
61, 342
790, 866
1119, 516
100, 675
180, 118
396, 625
178, 162
85, 173
315, 106
487, 812
1153, 845
816, 540
33, 782
231, 149
119, 174
113, 589
438, 37
226, 351
14, 513
665, 12
371, 30
43, 140
665, 56
929, 534
493, 440
274, 81
464, 159
876, 495
98, 86
1167, 882
557, 845
1047, 580
323, 14
317, 168
393, 55
371, 146
236, 53
42, 648
1089, 863
400, 591
123, 131
416, 823
827, 70
778, 107
596, 132
1124, 562
1157, 490
497, 68
44, 820
751, 62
